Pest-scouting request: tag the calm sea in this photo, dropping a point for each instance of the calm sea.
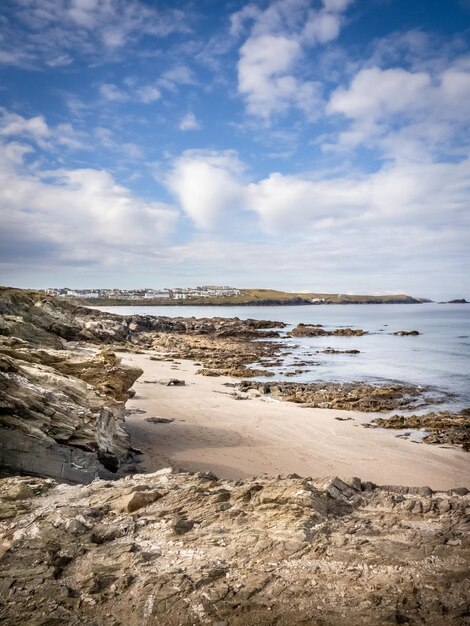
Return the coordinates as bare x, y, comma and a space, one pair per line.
438, 357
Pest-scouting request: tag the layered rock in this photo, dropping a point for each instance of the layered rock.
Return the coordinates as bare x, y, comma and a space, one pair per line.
221, 355
62, 413
441, 428
347, 396
317, 330
181, 549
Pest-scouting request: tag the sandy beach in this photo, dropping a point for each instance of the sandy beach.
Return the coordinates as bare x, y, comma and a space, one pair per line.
212, 430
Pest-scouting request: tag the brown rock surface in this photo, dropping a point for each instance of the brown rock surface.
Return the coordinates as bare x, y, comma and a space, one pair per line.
317, 330
444, 427
67, 426
220, 355
348, 396
262, 551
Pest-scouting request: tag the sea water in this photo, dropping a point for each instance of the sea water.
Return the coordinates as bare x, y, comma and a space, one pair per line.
438, 357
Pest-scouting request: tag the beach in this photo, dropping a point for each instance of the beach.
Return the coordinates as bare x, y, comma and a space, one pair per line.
235, 438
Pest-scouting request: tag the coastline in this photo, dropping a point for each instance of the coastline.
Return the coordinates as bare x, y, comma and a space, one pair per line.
213, 431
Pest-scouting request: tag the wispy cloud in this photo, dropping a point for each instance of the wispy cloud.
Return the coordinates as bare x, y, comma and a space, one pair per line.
37, 130
54, 33
189, 122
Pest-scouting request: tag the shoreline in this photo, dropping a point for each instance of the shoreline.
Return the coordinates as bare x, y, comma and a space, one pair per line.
236, 439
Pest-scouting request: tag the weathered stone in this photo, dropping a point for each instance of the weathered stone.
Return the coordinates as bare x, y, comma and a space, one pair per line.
138, 499
290, 554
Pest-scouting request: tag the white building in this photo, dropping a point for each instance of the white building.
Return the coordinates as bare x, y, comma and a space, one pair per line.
157, 294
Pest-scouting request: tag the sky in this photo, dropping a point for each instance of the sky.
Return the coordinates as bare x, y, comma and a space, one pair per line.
304, 145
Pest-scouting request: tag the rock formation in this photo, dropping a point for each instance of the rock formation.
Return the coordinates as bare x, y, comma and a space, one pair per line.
347, 396
178, 549
62, 413
317, 330
441, 428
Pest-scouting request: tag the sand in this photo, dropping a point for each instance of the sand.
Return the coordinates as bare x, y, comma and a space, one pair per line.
213, 431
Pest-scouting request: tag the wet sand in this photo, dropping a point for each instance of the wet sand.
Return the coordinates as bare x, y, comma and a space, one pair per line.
212, 431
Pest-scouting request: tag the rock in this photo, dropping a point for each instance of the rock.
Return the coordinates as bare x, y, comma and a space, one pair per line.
406, 333
341, 396
333, 351
58, 424
257, 551
443, 427
159, 420
182, 526
317, 330
137, 500
175, 382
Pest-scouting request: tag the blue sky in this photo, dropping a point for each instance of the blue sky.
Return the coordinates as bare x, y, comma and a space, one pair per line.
296, 144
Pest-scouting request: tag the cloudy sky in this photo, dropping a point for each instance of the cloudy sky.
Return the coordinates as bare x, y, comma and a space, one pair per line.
297, 144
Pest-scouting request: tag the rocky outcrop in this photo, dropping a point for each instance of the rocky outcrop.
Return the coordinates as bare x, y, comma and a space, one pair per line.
334, 351
48, 321
178, 549
62, 413
347, 396
221, 355
441, 428
406, 333
317, 330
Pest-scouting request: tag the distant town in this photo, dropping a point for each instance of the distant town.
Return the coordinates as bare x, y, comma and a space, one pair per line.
206, 291
219, 295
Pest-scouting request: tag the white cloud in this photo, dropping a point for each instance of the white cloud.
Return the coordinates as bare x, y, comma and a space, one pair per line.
12, 124
268, 72
404, 113
76, 212
264, 79
37, 130
148, 94
189, 122
112, 93
210, 186
375, 93
107, 139
206, 185
175, 76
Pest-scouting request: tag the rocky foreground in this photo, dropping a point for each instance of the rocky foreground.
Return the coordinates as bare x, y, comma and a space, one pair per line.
181, 549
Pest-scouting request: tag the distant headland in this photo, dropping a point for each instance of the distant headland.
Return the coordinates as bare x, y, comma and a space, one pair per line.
221, 296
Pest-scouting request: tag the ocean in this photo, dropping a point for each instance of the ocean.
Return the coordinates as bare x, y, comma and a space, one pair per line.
439, 357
